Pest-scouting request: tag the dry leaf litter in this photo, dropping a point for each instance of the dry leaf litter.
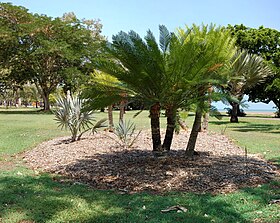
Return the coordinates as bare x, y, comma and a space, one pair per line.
100, 162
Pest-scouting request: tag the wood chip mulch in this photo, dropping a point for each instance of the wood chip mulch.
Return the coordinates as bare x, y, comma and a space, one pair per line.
100, 162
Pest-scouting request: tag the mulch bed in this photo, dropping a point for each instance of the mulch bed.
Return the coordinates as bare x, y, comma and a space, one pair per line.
100, 162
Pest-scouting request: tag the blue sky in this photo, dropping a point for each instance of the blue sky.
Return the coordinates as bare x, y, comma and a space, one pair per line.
141, 15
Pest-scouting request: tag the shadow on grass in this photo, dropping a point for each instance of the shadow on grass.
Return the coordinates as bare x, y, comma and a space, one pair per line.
226, 123
41, 199
14, 111
251, 127
276, 161
261, 116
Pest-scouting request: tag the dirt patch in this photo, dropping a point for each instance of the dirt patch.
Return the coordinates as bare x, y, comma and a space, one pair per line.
100, 162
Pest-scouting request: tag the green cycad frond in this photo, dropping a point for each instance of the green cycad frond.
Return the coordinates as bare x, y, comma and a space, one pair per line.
245, 71
203, 51
136, 63
164, 38
177, 69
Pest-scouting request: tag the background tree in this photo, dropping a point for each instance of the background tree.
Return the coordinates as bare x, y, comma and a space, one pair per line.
13, 22
265, 43
245, 71
49, 51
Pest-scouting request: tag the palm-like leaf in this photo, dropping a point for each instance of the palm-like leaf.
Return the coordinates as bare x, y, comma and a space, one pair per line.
70, 115
125, 131
245, 71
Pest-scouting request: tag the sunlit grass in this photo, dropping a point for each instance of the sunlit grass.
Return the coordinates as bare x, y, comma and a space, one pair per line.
25, 128
27, 196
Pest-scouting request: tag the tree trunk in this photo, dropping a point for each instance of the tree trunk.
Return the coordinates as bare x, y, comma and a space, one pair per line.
234, 112
206, 115
44, 91
205, 121
155, 128
171, 119
277, 104
122, 111
110, 118
194, 133
46, 99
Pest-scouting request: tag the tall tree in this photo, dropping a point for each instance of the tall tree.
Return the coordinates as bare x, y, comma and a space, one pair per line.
265, 43
13, 22
49, 51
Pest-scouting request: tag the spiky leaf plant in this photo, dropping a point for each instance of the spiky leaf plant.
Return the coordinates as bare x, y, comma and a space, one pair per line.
125, 131
70, 115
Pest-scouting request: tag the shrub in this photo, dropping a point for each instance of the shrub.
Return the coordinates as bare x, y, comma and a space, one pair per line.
70, 115
125, 131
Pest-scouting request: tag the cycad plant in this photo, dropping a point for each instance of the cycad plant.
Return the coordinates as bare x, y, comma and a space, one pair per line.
139, 66
203, 50
167, 75
245, 71
70, 115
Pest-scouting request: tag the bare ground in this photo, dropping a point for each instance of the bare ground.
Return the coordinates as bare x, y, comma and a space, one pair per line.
99, 161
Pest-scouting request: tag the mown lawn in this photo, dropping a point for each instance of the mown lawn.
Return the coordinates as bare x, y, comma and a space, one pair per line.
258, 135
27, 196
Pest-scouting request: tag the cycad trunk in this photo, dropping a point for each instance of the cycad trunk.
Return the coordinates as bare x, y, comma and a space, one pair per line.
171, 119
206, 115
155, 128
194, 133
234, 112
110, 117
122, 111
205, 122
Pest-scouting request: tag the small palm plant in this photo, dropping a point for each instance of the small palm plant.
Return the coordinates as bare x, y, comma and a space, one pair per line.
125, 131
70, 115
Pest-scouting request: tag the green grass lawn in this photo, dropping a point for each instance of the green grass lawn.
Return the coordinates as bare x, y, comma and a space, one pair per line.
261, 136
21, 129
26, 196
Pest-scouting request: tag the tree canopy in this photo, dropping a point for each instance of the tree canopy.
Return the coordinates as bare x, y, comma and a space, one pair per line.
265, 43
47, 51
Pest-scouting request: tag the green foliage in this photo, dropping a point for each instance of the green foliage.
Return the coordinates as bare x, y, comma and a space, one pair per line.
69, 115
213, 111
47, 51
29, 94
265, 43
125, 131
245, 70
182, 62
172, 74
